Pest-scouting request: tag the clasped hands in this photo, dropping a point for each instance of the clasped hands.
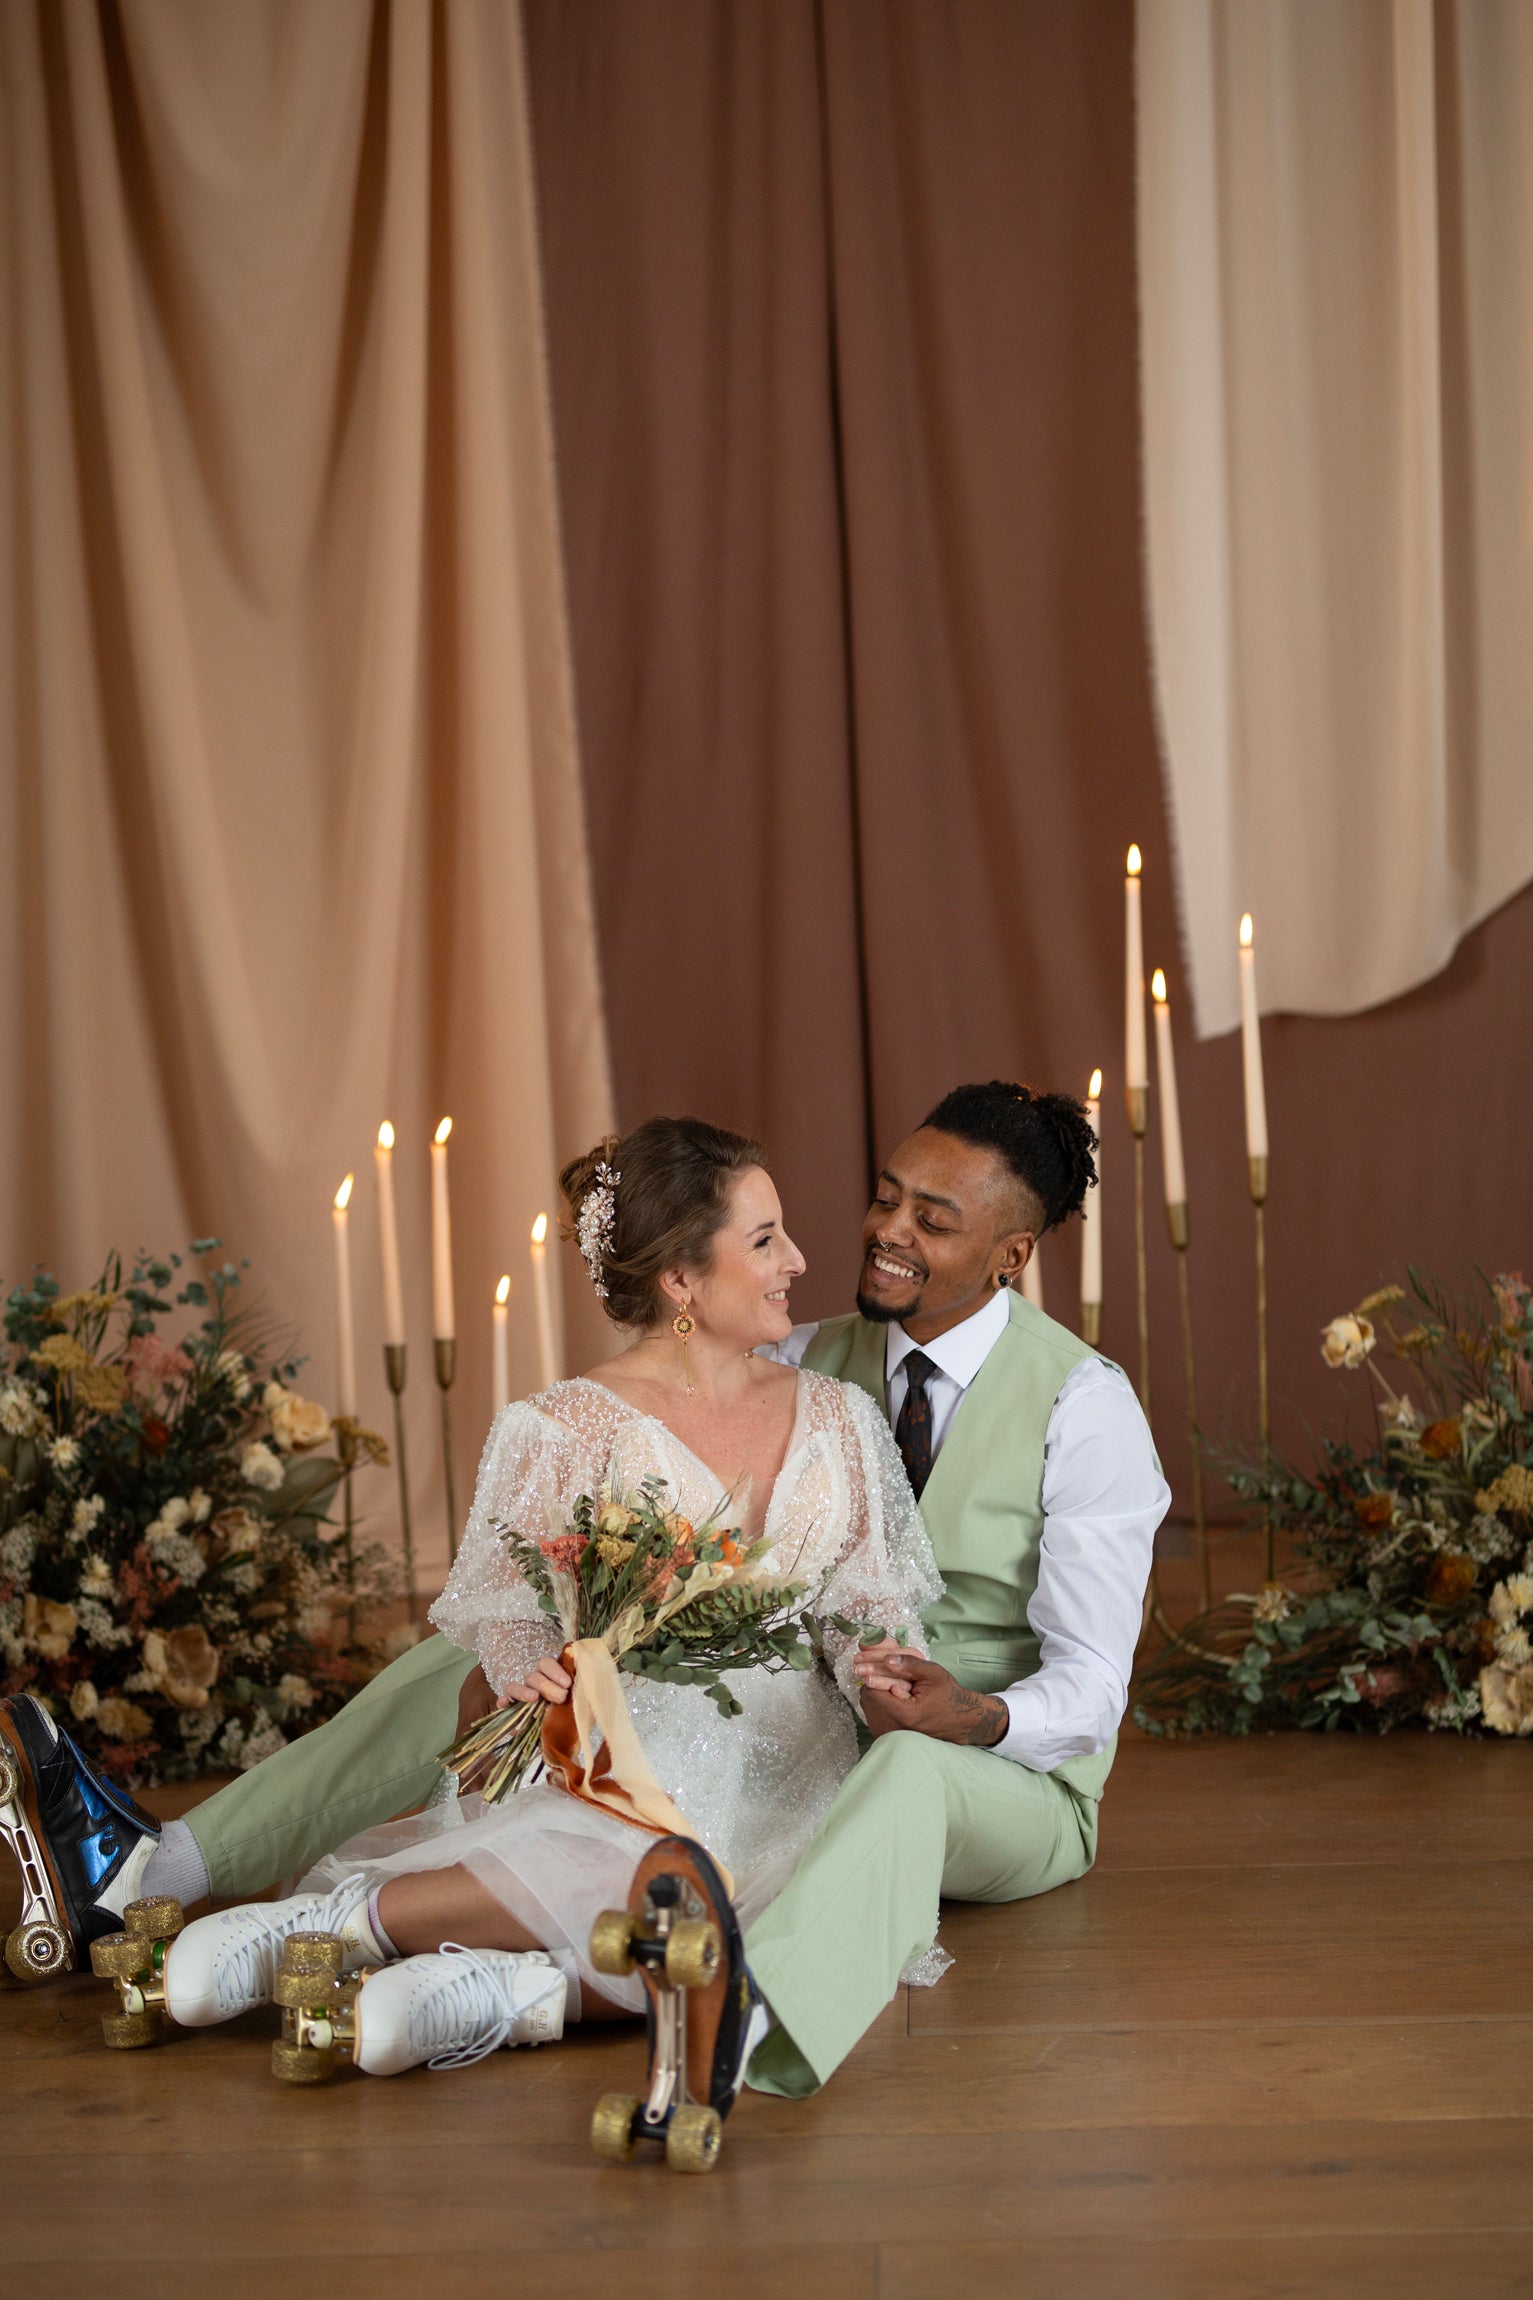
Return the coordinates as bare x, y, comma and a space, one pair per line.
900, 1693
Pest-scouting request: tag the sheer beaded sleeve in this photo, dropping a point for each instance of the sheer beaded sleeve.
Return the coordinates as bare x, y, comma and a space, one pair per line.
534, 1465
886, 1573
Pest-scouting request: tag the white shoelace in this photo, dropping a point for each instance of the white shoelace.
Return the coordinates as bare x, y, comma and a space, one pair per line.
480, 1993
250, 1963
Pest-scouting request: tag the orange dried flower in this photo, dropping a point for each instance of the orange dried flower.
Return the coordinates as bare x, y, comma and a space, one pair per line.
1442, 1440
1451, 1579
1375, 1509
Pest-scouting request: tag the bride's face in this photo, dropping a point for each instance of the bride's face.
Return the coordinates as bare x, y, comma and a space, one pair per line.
741, 1299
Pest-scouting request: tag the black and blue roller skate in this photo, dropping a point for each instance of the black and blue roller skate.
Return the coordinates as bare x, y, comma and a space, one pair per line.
81, 1845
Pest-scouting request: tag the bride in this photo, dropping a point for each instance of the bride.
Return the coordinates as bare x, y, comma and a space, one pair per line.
480, 1916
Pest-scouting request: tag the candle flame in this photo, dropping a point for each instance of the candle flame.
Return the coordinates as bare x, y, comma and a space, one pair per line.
442, 1131
1094, 1090
1247, 932
343, 1195
385, 1136
1134, 863
503, 1290
1158, 986
540, 1229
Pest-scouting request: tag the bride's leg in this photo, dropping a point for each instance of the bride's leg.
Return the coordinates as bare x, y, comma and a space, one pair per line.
425, 1907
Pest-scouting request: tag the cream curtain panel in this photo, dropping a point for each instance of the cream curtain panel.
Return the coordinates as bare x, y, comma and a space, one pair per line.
291, 834
1336, 286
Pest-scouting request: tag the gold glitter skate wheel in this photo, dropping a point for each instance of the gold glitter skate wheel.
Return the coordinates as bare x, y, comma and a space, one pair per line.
692, 1952
39, 1951
320, 1955
302, 2063
693, 2139
612, 1943
612, 2124
120, 1957
10, 1779
159, 1918
127, 2032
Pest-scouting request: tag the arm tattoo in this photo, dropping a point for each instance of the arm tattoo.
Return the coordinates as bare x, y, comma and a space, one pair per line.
982, 1718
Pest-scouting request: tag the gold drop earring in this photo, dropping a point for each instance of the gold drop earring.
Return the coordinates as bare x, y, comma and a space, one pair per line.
683, 1326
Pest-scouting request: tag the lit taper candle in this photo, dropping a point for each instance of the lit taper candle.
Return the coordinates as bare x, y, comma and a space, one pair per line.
1170, 1111
548, 1371
443, 1323
1091, 1227
1136, 1060
388, 1241
501, 1315
345, 1331
1251, 1048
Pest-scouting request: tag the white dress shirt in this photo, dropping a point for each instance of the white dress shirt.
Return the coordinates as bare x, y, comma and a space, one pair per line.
1103, 1497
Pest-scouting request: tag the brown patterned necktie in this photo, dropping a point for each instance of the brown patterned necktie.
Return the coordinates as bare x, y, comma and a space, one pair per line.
913, 1429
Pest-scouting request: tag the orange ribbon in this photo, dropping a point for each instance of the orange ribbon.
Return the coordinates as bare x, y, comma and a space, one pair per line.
616, 1777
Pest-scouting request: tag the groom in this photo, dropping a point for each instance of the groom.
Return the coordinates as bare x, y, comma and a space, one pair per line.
1039, 1486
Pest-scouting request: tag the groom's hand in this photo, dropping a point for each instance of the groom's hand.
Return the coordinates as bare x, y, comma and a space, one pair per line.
930, 1700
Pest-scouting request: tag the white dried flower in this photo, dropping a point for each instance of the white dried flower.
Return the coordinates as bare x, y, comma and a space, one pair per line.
96, 1578
263, 1740
199, 1506
1513, 1648
64, 1453
98, 1627
259, 1466
235, 1372
84, 1701
178, 1554
17, 1550
20, 1411
86, 1515
1347, 1341
1271, 1604
173, 1513
1399, 1414
296, 1692
1519, 1590
11, 1616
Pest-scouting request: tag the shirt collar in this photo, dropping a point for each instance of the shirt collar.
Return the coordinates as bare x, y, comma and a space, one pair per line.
962, 1350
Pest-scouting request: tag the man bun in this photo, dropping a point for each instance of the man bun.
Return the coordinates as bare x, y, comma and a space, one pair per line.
675, 1178
1045, 1139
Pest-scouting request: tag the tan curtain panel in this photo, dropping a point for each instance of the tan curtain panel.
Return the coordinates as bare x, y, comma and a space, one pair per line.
291, 835
1336, 312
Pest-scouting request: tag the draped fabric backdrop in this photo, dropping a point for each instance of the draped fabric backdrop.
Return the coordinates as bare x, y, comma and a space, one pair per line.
1336, 290
843, 336
292, 822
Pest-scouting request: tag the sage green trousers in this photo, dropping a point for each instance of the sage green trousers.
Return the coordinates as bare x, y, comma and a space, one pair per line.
917, 1819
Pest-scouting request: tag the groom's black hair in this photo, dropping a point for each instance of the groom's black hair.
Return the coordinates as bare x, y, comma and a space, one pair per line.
1045, 1139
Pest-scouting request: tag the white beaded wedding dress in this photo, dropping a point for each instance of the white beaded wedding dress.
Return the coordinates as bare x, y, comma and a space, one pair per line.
754, 1787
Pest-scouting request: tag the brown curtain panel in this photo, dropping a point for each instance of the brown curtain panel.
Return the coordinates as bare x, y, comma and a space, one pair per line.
290, 821
842, 328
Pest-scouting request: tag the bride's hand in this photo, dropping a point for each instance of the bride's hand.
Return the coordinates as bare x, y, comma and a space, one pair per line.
548, 1682
874, 1675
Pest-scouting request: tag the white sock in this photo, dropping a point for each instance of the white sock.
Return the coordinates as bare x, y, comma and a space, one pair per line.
368, 1915
175, 1866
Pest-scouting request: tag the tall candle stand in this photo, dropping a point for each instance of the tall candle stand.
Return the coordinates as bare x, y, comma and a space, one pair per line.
394, 1371
446, 1367
1138, 1099
1256, 1175
1176, 1222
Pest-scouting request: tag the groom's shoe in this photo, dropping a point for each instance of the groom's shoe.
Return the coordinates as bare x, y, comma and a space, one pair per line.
705, 2014
80, 1843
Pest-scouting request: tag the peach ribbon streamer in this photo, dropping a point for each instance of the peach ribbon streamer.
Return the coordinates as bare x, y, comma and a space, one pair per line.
616, 1778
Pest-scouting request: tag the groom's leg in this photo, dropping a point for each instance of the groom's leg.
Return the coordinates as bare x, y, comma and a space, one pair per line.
916, 1818
374, 1759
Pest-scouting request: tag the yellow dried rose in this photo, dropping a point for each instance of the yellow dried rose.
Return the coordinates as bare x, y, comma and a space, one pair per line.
48, 1628
1506, 1700
120, 1720
296, 1424
184, 1663
1347, 1341
613, 1550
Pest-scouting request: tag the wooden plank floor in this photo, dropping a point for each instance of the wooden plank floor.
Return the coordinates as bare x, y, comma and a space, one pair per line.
1279, 2043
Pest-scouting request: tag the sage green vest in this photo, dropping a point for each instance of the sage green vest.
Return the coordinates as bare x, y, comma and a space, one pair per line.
983, 1503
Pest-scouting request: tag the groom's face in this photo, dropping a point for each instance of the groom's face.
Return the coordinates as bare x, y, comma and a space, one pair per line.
943, 1222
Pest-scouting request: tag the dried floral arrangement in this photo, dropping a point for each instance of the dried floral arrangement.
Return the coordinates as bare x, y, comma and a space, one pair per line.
1412, 1601
170, 1586
674, 1602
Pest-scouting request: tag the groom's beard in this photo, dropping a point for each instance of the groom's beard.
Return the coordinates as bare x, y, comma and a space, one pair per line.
885, 1313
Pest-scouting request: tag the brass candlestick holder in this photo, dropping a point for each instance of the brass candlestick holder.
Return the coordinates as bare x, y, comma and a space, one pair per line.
1138, 1100
1256, 1176
446, 1367
1177, 1224
1091, 1324
394, 1372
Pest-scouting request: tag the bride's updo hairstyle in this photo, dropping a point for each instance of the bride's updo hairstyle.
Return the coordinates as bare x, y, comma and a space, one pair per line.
670, 1200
